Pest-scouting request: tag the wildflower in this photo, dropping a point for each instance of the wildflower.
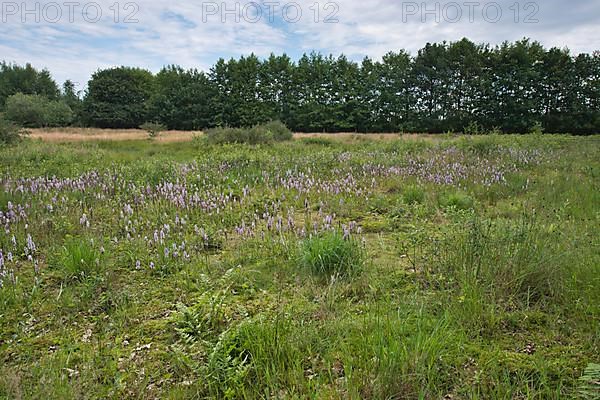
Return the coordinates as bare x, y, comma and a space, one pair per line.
128, 210
30, 244
83, 221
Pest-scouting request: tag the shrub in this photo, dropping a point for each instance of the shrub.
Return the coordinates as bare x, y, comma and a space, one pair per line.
270, 132
537, 128
26, 110
276, 130
153, 128
331, 254
222, 135
10, 132
496, 130
473, 128
58, 113
36, 111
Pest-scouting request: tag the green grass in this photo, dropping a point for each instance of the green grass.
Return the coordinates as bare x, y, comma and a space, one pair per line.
451, 267
330, 255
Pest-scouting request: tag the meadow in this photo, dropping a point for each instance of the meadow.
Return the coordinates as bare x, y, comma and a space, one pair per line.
449, 266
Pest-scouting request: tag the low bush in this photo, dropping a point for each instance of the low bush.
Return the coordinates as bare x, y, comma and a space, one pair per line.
10, 132
153, 129
332, 254
473, 128
273, 131
537, 128
35, 111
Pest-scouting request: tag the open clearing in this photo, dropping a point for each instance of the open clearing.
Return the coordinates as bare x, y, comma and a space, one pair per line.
411, 267
95, 134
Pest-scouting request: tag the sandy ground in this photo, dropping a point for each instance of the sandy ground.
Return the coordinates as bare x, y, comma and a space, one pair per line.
94, 134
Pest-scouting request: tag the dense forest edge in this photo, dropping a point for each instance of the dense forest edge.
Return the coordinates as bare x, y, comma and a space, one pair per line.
461, 86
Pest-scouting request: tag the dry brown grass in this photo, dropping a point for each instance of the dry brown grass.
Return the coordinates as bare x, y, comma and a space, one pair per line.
95, 134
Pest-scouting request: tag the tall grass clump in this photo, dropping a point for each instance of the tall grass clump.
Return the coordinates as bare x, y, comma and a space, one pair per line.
510, 263
79, 260
457, 200
332, 254
413, 195
274, 131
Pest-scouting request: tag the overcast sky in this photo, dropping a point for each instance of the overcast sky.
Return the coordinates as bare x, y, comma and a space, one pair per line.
73, 39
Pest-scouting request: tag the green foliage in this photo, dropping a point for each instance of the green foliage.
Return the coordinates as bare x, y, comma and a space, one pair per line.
495, 130
413, 195
71, 97
205, 320
27, 80
118, 97
317, 141
507, 262
181, 99
495, 301
154, 129
270, 132
79, 260
10, 132
537, 128
458, 200
473, 128
590, 382
446, 87
331, 255
274, 129
228, 365
34, 111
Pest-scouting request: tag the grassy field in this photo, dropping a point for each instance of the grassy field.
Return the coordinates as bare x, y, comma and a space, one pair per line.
446, 267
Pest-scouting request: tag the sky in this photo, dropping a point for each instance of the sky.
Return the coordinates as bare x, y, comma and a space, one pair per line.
73, 39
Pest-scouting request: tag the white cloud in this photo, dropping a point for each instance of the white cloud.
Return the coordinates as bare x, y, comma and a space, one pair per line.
175, 32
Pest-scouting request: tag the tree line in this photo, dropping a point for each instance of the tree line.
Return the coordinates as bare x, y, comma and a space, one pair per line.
459, 86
